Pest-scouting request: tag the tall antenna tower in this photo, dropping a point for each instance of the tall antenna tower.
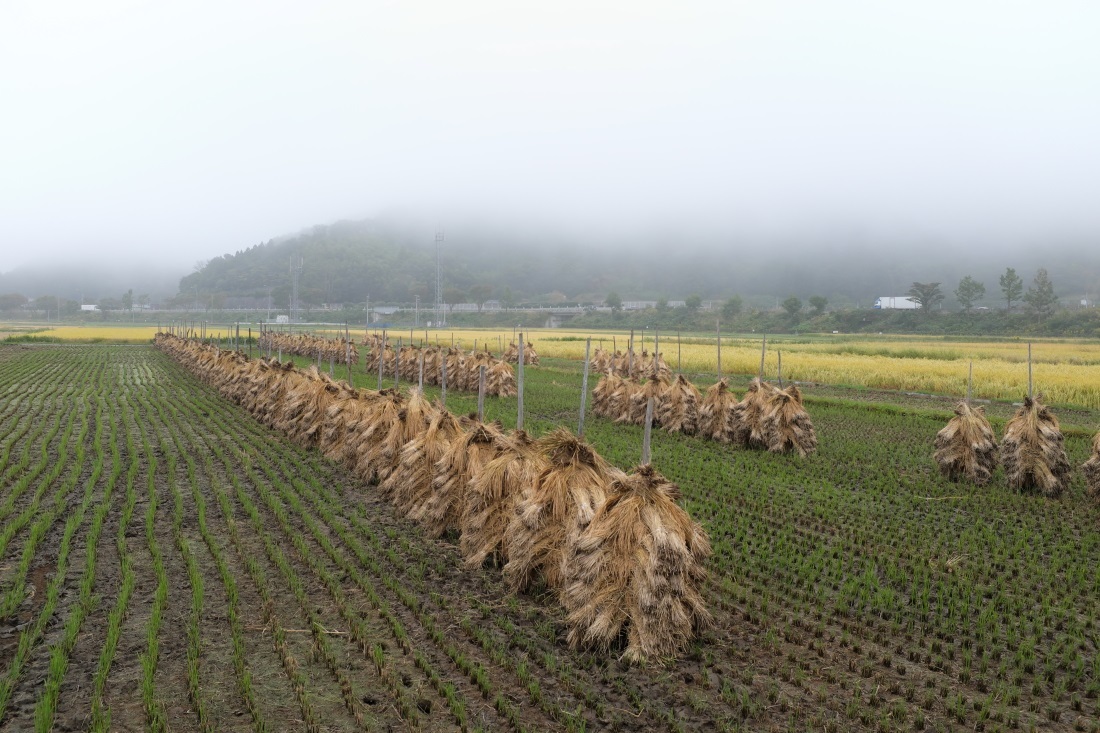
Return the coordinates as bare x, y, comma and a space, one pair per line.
295, 271
439, 314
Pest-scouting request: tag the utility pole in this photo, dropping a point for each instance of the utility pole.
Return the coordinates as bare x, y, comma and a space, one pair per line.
438, 282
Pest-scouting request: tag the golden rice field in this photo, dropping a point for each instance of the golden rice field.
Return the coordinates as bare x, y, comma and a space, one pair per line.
1066, 371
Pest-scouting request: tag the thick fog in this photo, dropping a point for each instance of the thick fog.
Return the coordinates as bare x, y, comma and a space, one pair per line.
178, 132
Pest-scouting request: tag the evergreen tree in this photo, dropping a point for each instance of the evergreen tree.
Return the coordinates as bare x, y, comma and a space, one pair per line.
1040, 297
1012, 285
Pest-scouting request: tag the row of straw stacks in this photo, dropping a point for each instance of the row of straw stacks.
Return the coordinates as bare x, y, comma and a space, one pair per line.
628, 364
338, 350
530, 356
1032, 451
624, 559
463, 369
767, 418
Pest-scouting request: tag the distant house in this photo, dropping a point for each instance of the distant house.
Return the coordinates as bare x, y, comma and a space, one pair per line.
89, 307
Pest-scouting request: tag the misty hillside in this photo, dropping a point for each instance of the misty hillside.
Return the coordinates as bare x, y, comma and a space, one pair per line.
389, 260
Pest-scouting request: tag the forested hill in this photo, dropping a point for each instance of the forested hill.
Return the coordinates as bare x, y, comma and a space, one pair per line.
351, 261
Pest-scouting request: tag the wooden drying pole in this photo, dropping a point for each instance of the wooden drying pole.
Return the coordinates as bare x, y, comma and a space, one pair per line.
648, 431
1029, 381
443, 378
763, 348
780, 370
421, 383
584, 386
347, 349
381, 359
519, 386
656, 349
397, 365
718, 330
481, 393
630, 356
678, 369
970, 382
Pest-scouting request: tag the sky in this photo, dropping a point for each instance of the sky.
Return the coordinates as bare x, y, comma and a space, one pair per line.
176, 132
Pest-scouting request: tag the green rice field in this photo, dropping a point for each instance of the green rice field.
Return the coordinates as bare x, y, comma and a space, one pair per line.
168, 563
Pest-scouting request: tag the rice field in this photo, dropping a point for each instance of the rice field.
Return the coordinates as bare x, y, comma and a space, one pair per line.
1066, 371
168, 563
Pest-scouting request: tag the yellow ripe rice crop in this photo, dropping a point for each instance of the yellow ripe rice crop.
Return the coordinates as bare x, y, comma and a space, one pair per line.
108, 333
1066, 371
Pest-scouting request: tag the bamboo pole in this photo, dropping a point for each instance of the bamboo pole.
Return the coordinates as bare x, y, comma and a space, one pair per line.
584, 386
519, 387
780, 370
678, 363
763, 348
970, 383
421, 383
